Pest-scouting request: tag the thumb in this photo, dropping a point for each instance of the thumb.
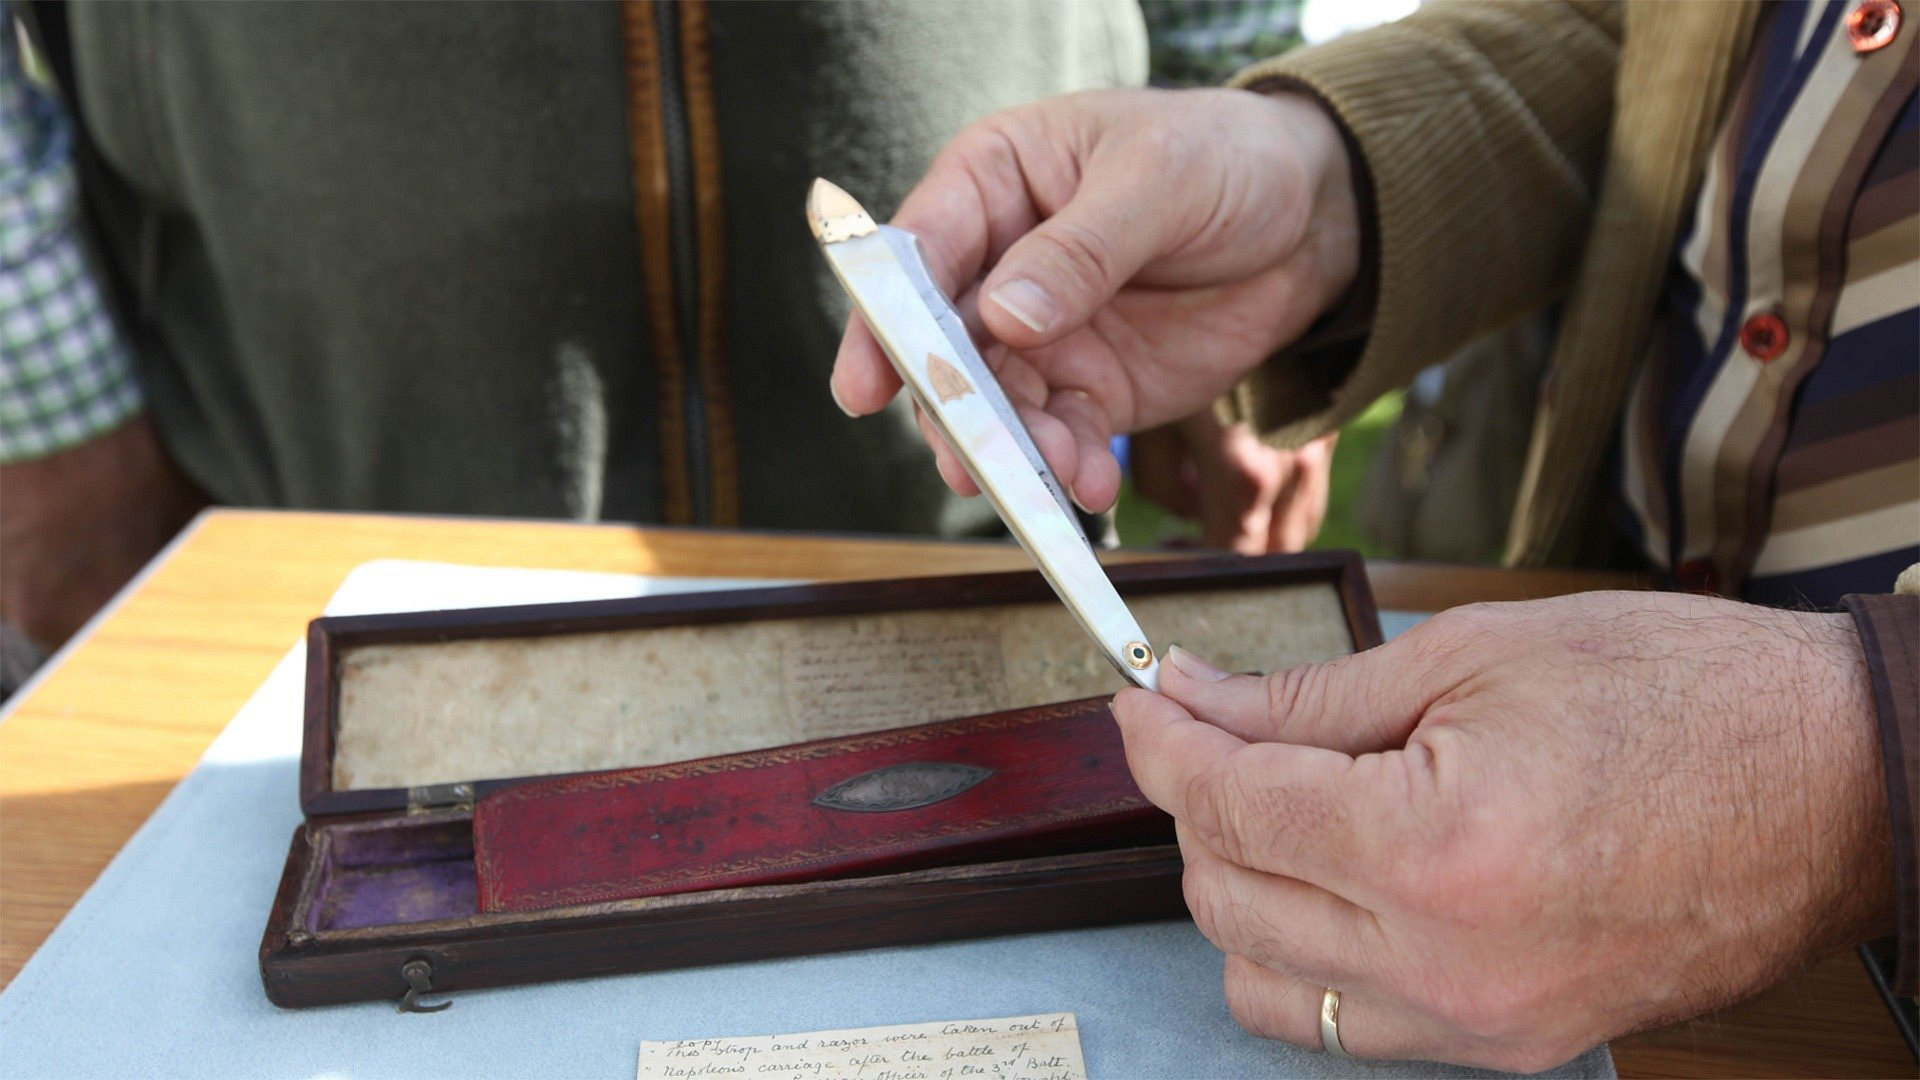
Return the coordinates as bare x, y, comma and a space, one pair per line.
1051, 281
1358, 704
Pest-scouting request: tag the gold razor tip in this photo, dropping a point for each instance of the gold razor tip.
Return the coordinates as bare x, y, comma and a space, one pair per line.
834, 215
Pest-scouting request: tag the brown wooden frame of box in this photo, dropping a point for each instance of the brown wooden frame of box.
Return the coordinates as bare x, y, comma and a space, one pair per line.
300, 967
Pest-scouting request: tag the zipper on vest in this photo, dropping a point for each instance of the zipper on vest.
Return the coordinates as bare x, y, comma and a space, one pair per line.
685, 249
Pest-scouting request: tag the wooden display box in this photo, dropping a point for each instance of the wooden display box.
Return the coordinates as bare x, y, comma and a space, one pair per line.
411, 717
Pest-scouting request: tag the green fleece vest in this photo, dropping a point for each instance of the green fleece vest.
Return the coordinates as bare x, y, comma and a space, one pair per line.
385, 256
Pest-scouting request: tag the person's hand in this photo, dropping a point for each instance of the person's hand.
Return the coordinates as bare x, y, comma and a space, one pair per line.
76, 525
1247, 496
1521, 829
1142, 250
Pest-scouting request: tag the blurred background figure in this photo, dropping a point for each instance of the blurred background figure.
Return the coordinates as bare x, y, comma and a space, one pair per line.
518, 259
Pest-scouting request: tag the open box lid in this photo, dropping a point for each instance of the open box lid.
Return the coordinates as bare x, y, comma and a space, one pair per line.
428, 710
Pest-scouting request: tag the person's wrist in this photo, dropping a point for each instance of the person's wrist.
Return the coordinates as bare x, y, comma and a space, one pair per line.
1334, 233
77, 523
1850, 842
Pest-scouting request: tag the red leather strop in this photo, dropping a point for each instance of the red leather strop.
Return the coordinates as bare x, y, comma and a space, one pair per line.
1029, 782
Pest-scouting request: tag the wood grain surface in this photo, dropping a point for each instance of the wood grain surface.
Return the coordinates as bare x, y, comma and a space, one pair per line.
92, 748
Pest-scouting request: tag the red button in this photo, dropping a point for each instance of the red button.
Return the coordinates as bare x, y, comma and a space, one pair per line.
1871, 26
1697, 576
1764, 336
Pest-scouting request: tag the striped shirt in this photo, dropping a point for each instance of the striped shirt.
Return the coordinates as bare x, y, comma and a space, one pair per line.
1771, 449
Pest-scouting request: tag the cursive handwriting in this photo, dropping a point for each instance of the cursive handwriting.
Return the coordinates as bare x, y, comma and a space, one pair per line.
1043, 1047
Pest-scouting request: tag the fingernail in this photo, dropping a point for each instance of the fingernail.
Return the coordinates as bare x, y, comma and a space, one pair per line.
1075, 497
835, 391
1192, 666
1027, 302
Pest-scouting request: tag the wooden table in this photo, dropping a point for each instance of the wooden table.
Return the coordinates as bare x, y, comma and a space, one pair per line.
124, 713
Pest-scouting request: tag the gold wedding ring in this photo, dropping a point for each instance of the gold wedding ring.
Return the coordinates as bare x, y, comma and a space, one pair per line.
1330, 1024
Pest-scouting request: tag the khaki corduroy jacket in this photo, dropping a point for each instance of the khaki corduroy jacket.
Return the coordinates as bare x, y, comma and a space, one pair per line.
1519, 154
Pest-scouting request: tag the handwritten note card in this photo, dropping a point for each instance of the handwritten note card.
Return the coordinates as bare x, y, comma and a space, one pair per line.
1043, 1047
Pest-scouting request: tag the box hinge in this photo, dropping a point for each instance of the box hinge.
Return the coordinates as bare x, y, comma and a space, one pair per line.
430, 797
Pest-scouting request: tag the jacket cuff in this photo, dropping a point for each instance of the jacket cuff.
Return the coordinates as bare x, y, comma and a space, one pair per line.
1890, 632
1401, 131
1289, 398
1437, 130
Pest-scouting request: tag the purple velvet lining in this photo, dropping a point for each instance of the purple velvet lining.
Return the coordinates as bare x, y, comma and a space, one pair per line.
382, 873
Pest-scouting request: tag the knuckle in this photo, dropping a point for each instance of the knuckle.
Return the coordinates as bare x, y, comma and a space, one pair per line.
991, 141
1176, 154
1233, 925
1204, 802
1470, 621
1080, 253
1244, 812
972, 144
1248, 1005
1448, 625
1158, 146
1456, 630
1264, 825
1202, 898
1294, 690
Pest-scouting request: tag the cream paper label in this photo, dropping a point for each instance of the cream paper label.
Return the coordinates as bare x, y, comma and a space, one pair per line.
439, 712
1045, 1047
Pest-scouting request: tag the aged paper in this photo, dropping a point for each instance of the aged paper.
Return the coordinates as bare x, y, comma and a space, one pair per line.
439, 712
848, 678
1045, 1047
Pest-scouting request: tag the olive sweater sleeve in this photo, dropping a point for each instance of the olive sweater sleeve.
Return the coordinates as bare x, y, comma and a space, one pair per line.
1481, 128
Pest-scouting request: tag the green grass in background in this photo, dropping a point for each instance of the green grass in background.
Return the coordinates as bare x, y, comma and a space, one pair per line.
1142, 524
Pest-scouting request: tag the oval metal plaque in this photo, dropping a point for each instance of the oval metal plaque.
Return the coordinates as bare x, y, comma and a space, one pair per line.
901, 787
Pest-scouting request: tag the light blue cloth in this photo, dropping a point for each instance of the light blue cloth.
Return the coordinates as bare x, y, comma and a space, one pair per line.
155, 971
